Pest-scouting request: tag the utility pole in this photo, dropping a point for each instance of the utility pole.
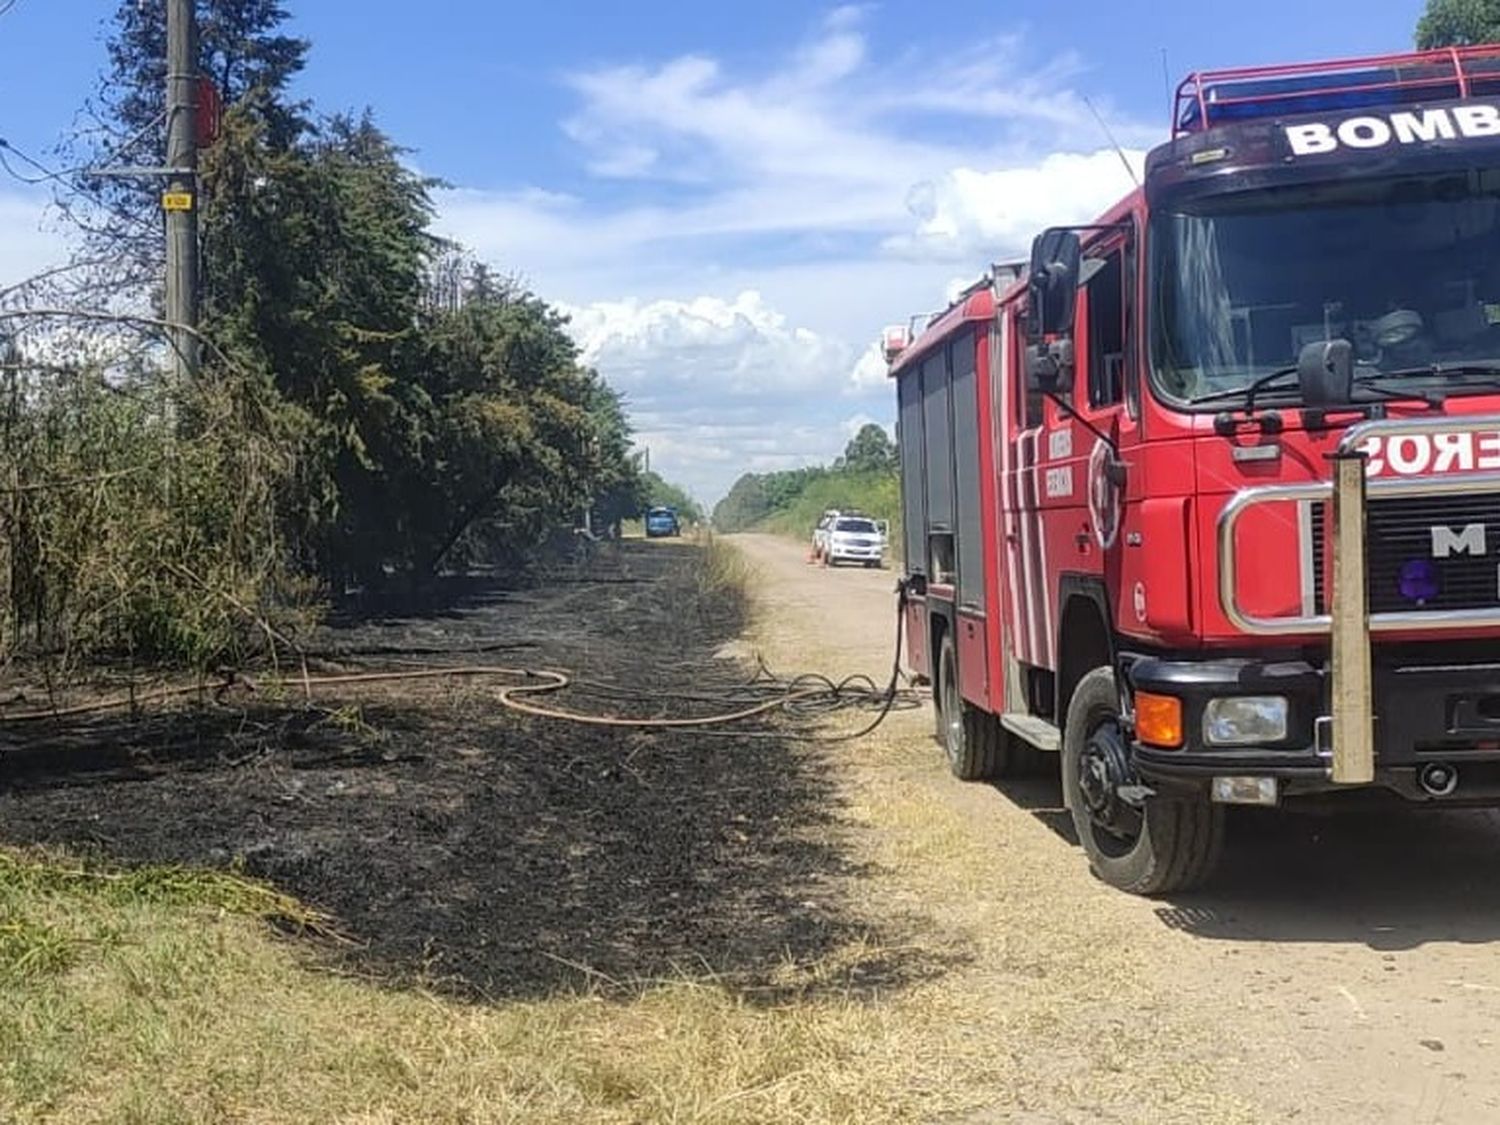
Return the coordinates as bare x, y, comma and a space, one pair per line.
180, 201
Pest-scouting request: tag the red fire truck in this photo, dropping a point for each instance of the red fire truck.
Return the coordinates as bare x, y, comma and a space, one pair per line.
1203, 495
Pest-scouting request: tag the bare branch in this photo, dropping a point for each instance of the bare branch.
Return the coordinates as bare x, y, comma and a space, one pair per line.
166, 327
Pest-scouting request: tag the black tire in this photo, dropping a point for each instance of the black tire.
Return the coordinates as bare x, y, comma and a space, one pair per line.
871, 564
972, 738
1175, 841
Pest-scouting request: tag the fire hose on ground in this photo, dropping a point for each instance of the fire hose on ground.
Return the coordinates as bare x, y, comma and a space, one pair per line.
806, 700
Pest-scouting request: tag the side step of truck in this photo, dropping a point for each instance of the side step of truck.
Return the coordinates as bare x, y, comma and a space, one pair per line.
1039, 732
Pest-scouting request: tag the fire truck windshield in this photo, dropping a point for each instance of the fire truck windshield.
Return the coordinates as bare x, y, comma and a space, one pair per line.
1406, 269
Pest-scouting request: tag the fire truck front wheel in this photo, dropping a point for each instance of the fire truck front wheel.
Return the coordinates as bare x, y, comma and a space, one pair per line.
1145, 845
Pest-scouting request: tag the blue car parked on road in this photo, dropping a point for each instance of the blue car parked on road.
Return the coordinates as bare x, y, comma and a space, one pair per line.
661, 522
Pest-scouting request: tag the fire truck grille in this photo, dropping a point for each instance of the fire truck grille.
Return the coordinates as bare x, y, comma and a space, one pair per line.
1425, 553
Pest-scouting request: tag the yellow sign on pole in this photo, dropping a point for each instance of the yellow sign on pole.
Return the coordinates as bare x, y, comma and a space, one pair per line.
177, 201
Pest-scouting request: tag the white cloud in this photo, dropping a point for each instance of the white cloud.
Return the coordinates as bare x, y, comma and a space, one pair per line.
708, 453
831, 144
707, 346
969, 212
721, 386
734, 241
831, 195
871, 372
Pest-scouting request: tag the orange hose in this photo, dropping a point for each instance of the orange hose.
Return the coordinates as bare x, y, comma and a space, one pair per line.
508, 697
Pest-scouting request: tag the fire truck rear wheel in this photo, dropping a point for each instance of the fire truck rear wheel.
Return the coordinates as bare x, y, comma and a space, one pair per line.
973, 740
1158, 846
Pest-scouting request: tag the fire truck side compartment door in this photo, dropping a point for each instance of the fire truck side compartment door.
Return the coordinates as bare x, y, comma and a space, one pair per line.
973, 608
937, 427
911, 442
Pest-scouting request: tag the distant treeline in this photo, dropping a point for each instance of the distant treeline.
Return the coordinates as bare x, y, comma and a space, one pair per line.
789, 502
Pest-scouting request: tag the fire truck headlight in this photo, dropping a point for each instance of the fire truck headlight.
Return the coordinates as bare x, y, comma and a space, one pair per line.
1245, 720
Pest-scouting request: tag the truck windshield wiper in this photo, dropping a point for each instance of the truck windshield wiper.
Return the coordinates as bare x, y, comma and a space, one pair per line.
1250, 389
1486, 367
1370, 380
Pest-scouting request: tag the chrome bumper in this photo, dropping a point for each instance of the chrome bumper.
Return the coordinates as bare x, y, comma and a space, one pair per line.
1350, 624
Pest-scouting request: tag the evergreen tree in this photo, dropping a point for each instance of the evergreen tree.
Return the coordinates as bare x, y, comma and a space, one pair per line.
243, 50
1458, 23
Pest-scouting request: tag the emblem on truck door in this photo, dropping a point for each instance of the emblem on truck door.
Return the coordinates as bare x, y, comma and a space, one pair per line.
1104, 497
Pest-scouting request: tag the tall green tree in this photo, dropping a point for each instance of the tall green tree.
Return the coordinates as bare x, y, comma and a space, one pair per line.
526, 439
241, 47
870, 451
620, 488
429, 410
745, 505
319, 256
1458, 23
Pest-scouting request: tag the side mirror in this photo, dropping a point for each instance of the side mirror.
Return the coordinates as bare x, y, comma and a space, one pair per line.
1055, 261
1047, 366
1325, 373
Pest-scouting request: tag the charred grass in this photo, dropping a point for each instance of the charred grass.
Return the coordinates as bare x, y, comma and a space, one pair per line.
463, 848
404, 903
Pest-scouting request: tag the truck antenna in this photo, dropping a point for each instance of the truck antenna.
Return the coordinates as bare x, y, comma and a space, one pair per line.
1120, 152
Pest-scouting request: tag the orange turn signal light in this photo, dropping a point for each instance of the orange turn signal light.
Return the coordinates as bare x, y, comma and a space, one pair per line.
1158, 720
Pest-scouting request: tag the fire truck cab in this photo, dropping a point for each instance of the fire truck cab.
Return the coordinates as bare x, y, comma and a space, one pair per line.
1205, 497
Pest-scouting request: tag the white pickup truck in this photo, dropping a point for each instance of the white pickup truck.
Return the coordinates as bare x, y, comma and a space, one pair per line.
843, 537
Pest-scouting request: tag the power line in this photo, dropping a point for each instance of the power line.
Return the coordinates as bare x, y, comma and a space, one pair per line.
99, 167
45, 173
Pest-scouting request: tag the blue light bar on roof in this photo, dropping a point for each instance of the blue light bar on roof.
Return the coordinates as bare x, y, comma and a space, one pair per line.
1220, 97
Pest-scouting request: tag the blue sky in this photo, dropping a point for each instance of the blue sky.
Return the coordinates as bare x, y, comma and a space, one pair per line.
731, 200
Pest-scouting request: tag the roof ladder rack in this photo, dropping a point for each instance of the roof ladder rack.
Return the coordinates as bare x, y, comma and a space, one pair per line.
1217, 97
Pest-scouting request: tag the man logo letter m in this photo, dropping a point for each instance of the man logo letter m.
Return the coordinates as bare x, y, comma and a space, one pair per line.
1469, 541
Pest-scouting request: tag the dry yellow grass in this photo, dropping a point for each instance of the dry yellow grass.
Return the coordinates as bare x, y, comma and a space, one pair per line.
166, 1013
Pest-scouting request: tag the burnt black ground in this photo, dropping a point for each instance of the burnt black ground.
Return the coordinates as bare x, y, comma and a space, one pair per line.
469, 849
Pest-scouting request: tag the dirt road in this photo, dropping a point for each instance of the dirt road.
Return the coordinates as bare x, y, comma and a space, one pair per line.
1341, 969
